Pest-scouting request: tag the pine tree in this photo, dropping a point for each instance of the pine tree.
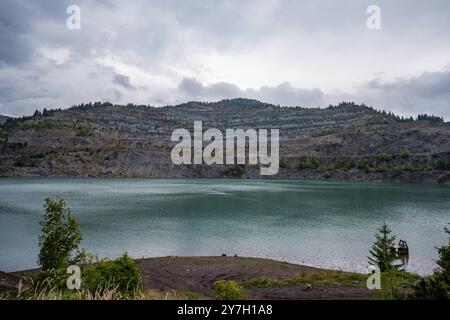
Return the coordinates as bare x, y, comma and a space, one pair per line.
444, 260
436, 286
382, 251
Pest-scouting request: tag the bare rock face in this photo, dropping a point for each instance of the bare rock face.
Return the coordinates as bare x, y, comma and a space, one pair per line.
348, 142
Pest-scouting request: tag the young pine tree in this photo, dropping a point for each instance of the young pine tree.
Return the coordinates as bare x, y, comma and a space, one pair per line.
436, 286
60, 237
382, 251
444, 260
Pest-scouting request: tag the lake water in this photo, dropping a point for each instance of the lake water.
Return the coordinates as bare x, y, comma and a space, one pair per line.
323, 224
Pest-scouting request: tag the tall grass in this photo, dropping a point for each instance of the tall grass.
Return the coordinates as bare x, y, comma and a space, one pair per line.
48, 289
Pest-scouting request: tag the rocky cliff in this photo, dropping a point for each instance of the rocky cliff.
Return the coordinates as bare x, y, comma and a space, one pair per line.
348, 141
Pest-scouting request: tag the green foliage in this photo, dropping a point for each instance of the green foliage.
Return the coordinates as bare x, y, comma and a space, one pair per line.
82, 131
382, 156
227, 290
309, 162
431, 118
444, 259
396, 285
54, 279
382, 251
322, 278
60, 237
364, 164
437, 286
405, 153
441, 164
121, 274
346, 163
284, 163
234, 172
432, 288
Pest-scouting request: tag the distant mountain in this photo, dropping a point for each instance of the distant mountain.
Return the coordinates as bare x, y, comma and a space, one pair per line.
347, 141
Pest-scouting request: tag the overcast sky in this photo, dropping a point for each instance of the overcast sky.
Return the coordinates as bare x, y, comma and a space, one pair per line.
307, 53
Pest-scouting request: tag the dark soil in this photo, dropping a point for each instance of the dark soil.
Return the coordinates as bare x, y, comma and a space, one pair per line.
198, 274
8, 282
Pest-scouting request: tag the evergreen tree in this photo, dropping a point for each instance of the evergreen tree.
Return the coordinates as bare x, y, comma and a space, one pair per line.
444, 260
437, 286
382, 251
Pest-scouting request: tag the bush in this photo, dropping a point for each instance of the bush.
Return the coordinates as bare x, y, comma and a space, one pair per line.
284, 163
442, 165
396, 285
60, 237
227, 290
46, 280
309, 162
234, 172
382, 156
346, 163
364, 165
405, 153
121, 274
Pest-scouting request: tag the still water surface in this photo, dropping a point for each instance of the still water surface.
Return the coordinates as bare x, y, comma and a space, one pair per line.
323, 224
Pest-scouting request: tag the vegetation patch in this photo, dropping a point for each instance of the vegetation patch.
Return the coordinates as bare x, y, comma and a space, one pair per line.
227, 290
327, 277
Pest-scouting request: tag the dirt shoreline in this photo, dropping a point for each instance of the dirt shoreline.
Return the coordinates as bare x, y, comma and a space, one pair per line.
195, 276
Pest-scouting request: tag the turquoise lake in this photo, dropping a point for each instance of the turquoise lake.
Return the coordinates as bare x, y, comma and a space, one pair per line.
322, 224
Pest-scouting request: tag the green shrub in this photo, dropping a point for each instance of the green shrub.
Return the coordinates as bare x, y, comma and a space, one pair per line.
234, 172
405, 153
309, 162
81, 131
60, 237
227, 290
364, 165
284, 163
382, 156
396, 285
121, 274
346, 163
442, 165
54, 279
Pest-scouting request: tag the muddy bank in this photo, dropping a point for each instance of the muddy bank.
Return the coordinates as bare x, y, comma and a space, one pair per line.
196, 276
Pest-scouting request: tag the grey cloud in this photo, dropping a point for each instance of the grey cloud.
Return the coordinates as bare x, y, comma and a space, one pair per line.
14, 28
429, 84
191, 87
284, 93
123, 81
159, 38
429, 92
